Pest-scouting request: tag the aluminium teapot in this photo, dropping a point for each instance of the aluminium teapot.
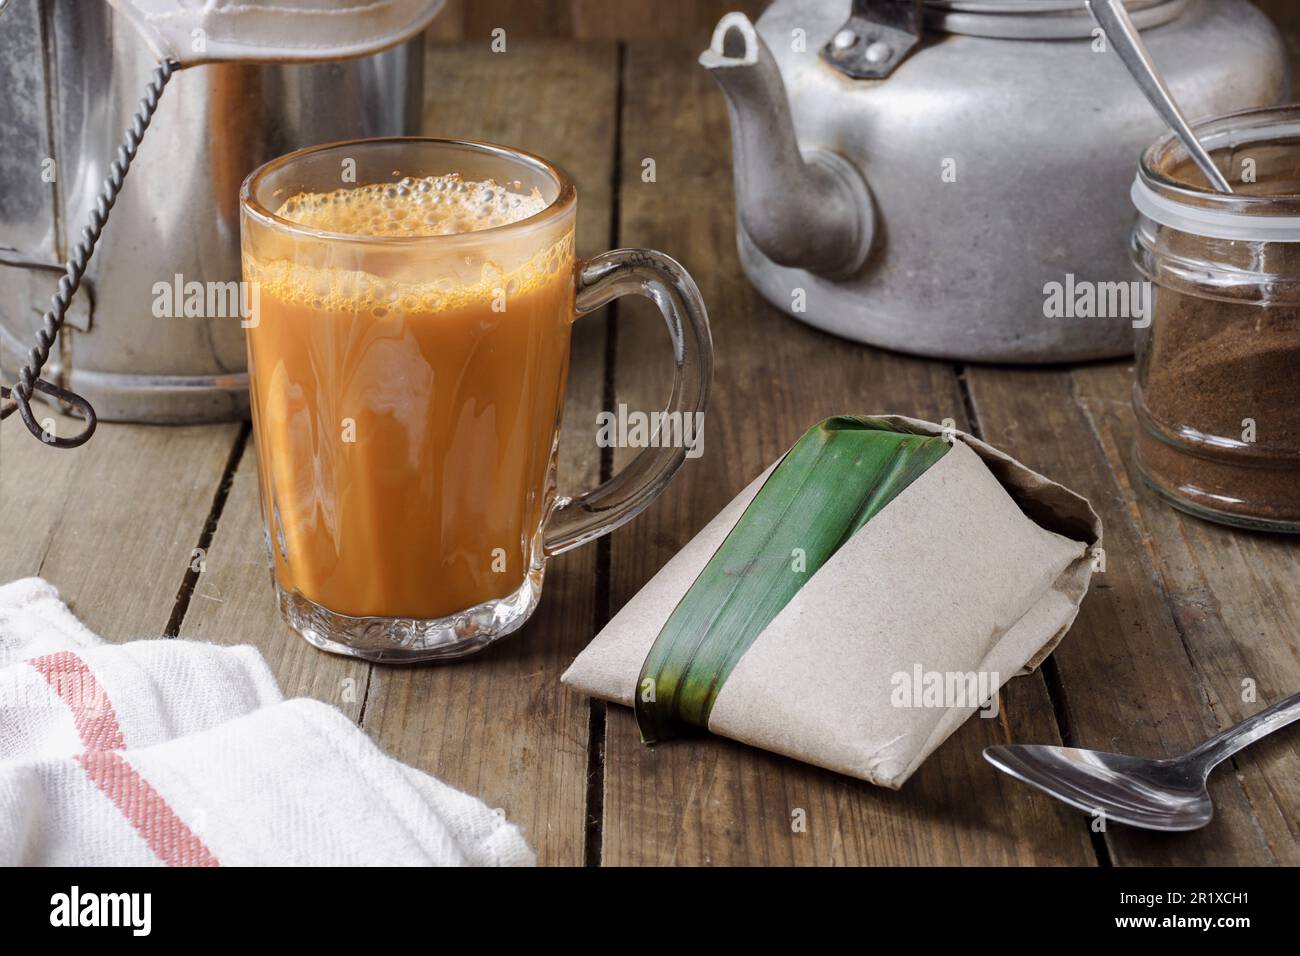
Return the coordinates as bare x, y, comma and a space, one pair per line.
924, 176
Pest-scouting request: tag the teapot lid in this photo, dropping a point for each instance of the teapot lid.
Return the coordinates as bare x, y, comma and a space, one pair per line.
1037, 19
879, 34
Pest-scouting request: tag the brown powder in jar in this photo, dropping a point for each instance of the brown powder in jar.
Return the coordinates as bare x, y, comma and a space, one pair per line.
1214, 367
1223, 352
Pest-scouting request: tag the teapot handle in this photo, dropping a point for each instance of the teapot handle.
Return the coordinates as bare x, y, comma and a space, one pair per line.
877, 36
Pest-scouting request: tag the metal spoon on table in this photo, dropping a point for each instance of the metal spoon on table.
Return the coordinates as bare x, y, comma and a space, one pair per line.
1114, 20
1152, 794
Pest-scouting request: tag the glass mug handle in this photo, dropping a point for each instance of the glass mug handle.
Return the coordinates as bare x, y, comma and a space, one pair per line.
575, 521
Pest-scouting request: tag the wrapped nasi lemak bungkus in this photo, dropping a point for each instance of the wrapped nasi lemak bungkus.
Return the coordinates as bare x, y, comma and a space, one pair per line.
856, 603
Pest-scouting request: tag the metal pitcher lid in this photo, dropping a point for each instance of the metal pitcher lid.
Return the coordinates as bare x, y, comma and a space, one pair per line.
275, 31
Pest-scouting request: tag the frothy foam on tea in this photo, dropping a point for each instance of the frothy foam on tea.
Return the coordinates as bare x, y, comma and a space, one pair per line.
431, 206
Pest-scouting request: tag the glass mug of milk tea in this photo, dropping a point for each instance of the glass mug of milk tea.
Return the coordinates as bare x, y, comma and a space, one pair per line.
408, 347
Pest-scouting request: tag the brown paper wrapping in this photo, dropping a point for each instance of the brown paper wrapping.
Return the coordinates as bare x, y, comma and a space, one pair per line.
977, 568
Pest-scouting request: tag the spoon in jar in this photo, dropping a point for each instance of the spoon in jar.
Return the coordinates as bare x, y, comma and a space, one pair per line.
1152, 794
1113, 18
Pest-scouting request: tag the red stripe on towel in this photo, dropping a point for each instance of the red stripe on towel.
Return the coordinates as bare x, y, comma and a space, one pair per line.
142, 805
91, 709
96, 720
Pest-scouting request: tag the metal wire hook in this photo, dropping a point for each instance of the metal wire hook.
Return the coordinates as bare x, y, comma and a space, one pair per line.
29, 380
24, 409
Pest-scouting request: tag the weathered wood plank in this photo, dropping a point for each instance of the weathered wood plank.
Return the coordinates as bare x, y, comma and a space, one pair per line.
711, 801
112, 524
474, 20
499, 725
1235, 598
690, 20
1130, 682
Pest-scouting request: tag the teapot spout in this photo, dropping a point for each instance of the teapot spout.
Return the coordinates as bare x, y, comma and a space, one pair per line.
803, 209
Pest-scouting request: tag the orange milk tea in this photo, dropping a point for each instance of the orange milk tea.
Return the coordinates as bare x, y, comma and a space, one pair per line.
409, 423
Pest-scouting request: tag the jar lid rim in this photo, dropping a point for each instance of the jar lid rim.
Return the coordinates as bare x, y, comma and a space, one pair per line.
1201, 210
1210, 222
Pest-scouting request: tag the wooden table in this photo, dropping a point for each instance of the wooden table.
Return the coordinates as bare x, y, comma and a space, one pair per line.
153, 530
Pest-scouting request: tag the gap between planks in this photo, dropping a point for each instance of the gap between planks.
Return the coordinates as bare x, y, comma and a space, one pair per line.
185, 592
1052, 684
594, 834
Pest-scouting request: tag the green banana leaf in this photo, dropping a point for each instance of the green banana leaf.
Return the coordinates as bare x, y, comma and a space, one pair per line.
838, 475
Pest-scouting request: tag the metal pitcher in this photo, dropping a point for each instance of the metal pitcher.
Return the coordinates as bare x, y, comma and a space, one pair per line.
71, 73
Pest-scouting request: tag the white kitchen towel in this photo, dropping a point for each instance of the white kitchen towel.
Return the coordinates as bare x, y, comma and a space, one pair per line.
182, 753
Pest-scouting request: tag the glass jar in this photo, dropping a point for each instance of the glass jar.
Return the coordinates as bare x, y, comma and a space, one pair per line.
1218, 366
